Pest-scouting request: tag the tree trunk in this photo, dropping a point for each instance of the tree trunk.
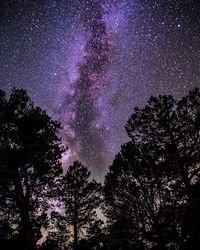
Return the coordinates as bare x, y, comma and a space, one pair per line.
75, 233
27, 229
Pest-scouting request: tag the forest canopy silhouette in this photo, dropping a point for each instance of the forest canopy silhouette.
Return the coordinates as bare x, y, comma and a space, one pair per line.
150, 197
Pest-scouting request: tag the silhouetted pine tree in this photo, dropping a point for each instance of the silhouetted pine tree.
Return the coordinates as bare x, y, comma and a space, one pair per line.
81, 197
154, 180
29, 163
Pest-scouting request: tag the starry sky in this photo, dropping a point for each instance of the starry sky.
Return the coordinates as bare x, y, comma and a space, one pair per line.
89, 62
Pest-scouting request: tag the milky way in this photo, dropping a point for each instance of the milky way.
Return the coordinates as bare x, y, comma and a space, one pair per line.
89, 62
87, 137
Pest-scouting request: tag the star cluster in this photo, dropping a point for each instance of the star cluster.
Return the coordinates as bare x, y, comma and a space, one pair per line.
89, 62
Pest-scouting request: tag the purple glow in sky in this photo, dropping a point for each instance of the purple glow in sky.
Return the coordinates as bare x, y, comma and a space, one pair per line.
89, 62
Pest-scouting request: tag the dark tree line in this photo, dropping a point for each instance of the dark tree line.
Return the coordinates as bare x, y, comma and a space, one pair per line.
150, 198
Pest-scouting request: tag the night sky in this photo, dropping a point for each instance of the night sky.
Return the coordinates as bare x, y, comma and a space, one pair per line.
89, 62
